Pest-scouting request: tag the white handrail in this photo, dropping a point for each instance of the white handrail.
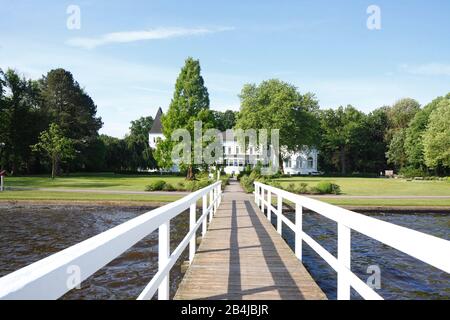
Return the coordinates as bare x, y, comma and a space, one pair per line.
52, 277
429, 249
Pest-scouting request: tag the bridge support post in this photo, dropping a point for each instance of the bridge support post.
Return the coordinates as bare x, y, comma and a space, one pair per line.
280, 212
269, 206
344, 258
163, 258
298, 231
192, 220
204, 210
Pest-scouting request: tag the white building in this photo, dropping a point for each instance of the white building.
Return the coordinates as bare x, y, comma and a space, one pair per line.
236, 159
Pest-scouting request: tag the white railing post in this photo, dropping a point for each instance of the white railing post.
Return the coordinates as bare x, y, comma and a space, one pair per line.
262, 200
344, 258
298, 231
192, 220
163, 258
204, 209
269, 207
211, 201
280, 212
257, 195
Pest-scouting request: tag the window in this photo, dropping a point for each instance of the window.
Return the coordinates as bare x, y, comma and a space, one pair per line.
251, 150
223, 150
229, 150
237, 150
310, 163
299, 163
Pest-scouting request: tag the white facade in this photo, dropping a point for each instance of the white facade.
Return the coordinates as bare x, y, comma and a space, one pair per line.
235, 159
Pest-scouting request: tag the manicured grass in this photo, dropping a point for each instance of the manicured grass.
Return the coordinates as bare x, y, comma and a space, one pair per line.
388, 202
103, 181
84, 196
378, 186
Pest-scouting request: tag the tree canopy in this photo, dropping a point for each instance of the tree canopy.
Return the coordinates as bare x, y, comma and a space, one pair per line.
190, 103
274, 104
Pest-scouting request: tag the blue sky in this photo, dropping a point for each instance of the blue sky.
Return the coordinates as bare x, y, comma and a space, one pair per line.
127, 54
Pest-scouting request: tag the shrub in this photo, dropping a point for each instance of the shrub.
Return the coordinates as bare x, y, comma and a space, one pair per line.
189, 185
409, 172
302, 188
291, 187
225, 181
325, 187
247, 184
168, 187
157, 185
180, 186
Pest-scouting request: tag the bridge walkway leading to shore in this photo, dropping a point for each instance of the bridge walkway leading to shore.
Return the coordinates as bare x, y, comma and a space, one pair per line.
243, 257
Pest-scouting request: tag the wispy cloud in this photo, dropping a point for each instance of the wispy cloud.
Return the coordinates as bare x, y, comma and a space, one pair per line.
141, 35
429, 69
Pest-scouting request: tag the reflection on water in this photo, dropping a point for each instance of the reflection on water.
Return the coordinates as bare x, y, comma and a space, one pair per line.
402, 277
30, 234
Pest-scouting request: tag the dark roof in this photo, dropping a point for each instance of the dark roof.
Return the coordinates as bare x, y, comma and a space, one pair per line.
157, 126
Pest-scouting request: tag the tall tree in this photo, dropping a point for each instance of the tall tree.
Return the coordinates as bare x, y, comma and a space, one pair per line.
55, 145
69, 106
414, 148
436, 139
190, 103
21, 120
341, 132
275, 104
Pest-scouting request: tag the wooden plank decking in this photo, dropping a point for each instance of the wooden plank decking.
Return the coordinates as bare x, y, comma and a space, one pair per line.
242, 257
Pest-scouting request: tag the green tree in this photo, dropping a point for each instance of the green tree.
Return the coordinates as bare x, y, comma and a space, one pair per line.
21, 119
69, 106
55, 145
225, 120
342, 130
396, 154
190, 103
436, 139
414, 148
275, 104
400, 115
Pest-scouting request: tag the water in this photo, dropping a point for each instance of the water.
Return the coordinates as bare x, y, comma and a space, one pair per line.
28, 234
402, 277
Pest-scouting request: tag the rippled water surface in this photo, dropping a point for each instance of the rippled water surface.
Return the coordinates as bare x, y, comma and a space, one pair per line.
402, 277
28, 234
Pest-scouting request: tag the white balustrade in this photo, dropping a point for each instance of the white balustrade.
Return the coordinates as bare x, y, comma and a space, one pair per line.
49, 278
429, 249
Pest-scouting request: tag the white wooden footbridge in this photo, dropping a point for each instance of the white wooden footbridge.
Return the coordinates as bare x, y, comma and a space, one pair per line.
241, 256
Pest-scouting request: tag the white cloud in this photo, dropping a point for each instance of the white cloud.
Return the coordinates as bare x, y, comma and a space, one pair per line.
132, 36
429, 69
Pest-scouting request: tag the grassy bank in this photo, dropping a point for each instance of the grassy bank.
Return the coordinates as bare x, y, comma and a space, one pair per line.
378, 186
103, 181
83, 196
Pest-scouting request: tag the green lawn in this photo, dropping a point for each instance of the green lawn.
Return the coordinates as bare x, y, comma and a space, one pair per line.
388, 202
103, 181
84, 196
378, 186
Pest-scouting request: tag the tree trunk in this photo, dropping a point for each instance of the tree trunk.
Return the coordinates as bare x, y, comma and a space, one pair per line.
281, 162
53, 167
342, 156
190, 173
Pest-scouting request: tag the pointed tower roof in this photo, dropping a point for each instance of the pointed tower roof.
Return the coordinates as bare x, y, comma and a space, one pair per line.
157, 126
